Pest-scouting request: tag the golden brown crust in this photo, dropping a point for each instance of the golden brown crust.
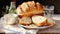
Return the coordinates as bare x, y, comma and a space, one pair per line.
24, 7
30, 8
39, 7
31, 5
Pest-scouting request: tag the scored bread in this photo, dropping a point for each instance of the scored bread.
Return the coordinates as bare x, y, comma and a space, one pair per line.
30, 8
25, 21
24, 7
39, 20
31, 5
39, 7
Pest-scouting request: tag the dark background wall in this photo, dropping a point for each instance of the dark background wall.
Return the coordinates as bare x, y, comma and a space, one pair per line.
56, 3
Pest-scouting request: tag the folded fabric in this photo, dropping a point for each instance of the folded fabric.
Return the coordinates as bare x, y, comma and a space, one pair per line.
14, 29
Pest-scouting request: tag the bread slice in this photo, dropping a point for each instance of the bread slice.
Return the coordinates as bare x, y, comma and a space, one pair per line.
25, 21
39, 20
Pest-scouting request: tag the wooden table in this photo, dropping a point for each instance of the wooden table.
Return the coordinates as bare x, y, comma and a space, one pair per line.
55, 29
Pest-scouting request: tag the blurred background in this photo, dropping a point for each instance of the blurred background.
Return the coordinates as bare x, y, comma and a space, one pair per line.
4, 3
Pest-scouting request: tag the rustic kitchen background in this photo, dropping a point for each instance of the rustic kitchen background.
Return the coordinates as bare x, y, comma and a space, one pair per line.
4, 3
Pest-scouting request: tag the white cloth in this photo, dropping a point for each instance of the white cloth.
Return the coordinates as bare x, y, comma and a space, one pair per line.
14, 29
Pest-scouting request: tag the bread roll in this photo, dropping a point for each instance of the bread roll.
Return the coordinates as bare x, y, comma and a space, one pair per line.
39, 20
25, 21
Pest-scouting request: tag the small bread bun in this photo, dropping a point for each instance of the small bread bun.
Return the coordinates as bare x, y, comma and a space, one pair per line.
39, 20
25, 21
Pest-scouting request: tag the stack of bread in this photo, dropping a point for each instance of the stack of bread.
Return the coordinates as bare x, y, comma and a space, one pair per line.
31, 13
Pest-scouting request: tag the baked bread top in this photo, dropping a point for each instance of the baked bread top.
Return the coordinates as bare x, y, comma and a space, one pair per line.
29, 8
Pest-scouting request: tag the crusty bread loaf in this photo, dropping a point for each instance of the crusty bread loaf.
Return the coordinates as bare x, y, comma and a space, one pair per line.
39, 20
25, 21
29, 8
